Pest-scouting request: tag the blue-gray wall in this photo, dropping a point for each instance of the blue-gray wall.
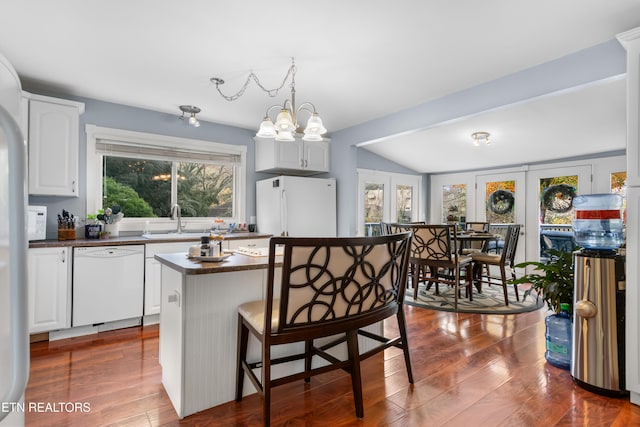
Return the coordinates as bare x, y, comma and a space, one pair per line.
596, 63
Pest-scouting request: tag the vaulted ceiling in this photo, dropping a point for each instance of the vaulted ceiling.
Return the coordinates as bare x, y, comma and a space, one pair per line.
356, 60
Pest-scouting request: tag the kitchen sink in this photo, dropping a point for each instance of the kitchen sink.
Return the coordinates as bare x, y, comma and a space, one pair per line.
175, 236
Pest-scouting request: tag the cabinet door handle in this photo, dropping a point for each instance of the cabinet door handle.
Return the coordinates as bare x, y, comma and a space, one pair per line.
73, 186
63, 256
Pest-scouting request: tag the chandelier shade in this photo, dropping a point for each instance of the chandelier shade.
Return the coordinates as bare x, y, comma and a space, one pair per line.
267, 129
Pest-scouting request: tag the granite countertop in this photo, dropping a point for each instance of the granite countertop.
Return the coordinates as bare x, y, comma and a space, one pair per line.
137, 240
236, 262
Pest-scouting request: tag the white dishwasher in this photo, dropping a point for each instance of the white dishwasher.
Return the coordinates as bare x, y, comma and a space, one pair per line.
108, 283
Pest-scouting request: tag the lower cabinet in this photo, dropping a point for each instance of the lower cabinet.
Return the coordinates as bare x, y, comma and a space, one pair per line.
152, 272
49, 289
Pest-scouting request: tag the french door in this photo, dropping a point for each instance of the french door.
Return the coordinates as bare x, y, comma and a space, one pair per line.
386, 197
500, 200
550, 193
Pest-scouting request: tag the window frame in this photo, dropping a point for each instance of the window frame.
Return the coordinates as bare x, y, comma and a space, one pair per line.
94, 175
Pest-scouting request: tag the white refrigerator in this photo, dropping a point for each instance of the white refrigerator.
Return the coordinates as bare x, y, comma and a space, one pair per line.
14, 334
296, 206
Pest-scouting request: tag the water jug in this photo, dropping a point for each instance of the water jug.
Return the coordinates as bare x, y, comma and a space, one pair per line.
558, 337
598, 221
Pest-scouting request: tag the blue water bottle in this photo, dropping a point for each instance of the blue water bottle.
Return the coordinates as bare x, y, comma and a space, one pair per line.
558, 338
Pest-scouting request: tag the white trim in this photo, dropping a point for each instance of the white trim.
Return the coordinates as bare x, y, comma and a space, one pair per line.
36, 97
94, 163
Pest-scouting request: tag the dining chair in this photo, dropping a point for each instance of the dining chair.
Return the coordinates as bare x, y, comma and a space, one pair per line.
326, 287
476, 246
435, 259
398, 227
483, 261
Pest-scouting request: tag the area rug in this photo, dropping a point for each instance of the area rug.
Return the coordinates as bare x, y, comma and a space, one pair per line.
490, 301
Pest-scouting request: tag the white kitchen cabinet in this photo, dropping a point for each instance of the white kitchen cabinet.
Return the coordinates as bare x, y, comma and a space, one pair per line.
49, 289
152, 272
296, 157
53, 146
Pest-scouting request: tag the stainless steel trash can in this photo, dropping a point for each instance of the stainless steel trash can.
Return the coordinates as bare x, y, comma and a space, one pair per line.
598, 351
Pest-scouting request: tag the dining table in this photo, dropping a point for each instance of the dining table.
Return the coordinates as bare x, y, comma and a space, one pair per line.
465, 238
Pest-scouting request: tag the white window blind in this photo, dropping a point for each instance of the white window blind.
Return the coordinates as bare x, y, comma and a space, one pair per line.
160, 152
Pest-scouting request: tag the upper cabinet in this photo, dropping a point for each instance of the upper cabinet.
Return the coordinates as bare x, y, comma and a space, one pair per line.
53, 146
296, 157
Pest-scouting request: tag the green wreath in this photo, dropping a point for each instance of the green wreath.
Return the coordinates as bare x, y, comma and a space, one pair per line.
559, 198
501, 201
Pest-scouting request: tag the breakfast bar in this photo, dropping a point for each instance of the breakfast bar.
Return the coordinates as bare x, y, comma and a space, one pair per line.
198, 327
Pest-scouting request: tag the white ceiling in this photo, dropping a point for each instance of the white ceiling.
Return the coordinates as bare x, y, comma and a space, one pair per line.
357, 60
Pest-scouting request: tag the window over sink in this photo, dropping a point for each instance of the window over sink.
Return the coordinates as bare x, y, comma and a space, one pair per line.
146, 174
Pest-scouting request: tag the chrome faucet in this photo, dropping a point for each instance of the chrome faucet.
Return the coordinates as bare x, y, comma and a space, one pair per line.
176, 213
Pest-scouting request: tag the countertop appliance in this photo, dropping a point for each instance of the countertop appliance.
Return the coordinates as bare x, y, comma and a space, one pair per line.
14, 333
37, 222
296, 206
108, 284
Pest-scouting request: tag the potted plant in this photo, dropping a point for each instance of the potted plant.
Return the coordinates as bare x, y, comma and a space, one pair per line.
111, 217
92, 227
553, 281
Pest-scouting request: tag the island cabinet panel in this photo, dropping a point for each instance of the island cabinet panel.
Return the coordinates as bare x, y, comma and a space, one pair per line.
198, 328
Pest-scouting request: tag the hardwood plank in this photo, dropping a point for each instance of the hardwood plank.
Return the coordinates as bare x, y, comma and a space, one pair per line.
469, 370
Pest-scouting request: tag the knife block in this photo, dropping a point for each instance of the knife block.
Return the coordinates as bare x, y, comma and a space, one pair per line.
66, 234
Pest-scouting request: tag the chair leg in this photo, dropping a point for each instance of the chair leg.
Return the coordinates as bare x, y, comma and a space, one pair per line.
266, 384
356, 378
308, 346
469, 281
405, 344
515, 287
415, 281
243, 339
503, 277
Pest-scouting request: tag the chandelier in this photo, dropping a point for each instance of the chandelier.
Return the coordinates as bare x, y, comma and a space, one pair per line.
286, 124
481, 137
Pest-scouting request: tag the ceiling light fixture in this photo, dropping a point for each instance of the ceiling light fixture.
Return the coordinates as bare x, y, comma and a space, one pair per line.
192, 110
479, 137
286, 125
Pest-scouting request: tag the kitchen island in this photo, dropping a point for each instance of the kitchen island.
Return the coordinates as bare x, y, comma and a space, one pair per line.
199, 323
198, 326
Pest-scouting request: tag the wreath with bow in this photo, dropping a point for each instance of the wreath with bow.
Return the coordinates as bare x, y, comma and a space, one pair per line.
501, 201
559, 198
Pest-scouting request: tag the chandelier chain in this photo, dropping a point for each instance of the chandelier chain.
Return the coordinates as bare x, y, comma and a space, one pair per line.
252, 76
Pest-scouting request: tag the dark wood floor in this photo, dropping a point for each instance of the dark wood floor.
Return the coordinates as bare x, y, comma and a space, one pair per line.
470, 370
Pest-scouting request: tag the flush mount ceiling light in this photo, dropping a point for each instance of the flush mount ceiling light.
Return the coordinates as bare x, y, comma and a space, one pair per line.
479, 137
192, 110
286, 125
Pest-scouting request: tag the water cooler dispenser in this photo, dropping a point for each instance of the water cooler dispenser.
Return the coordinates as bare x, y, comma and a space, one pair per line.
598, 350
